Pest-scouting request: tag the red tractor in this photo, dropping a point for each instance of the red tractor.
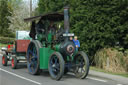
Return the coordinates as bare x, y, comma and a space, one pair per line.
16, 52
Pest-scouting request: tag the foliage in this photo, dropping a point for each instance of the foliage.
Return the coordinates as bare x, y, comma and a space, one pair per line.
6, 40
124, 74
97, 23
12, 13
18, 14
13, 4
112, 60
4, 12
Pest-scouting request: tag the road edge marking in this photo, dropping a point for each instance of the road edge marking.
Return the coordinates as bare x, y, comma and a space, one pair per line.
97, 79
20, 76
119, 84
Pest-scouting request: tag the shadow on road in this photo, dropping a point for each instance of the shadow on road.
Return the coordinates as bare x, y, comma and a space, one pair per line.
19, 65
69, 75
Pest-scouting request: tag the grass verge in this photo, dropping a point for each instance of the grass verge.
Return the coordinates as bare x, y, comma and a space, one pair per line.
101, 70
3, 45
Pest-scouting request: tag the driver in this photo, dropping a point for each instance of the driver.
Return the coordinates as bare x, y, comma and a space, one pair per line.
52, 31
52, 28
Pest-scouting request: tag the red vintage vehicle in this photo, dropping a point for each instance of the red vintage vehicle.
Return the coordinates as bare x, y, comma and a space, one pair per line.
15, 52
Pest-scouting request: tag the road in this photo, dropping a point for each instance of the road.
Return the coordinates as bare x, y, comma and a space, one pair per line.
21, 76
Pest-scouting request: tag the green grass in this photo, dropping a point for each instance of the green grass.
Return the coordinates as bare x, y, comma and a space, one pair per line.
3, 45
101, 70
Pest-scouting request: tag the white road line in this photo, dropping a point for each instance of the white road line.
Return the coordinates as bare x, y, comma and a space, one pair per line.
97, 79
20, 76
119, 84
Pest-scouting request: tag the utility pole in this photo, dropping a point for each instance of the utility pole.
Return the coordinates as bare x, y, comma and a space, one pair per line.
30, 8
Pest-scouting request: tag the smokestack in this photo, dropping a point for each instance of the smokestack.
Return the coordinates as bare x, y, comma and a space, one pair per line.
66, 19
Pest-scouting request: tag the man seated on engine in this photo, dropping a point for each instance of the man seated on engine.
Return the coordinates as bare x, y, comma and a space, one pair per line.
52, 31
76, 42
52, 28
71, 38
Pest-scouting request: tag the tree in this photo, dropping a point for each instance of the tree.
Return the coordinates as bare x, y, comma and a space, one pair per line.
97, 23
45, 6
4, 21
17, 19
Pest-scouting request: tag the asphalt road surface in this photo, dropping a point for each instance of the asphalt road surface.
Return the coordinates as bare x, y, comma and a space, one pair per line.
20, 76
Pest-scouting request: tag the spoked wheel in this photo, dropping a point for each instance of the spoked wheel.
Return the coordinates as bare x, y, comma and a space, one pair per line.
4, 60
82, 65
56, 66
14, 62
33, 57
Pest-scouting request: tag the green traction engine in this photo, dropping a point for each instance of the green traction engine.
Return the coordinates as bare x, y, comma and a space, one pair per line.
51, 48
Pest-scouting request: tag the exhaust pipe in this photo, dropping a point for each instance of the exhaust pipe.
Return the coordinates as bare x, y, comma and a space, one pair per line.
66, 19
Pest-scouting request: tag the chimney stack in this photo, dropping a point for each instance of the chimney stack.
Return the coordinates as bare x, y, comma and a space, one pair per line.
66, 19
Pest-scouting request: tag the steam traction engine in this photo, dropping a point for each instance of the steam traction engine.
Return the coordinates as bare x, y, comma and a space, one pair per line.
53, 50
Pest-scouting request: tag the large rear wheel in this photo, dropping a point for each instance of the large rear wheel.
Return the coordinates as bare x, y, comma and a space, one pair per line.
82, 65
56, 66
33, 57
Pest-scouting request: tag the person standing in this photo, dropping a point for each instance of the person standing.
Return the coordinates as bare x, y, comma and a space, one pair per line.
76, 42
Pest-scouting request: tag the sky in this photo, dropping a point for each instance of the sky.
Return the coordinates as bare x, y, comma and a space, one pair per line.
34, 3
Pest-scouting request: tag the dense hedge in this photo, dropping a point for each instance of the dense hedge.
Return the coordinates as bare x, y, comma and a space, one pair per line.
6, 40
97, 23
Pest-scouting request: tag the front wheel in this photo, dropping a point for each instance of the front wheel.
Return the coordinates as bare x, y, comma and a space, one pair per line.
56, 66
4, 60
14, 62
82, 65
